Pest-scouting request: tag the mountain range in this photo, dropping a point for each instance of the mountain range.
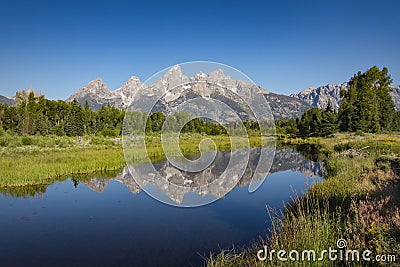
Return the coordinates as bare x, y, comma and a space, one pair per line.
97, 94
214, 84
319, 96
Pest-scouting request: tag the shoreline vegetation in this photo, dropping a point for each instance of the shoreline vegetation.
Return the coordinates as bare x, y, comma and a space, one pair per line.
357, 201
41, 160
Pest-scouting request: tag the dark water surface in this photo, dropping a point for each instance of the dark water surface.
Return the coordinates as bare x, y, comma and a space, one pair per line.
111, 222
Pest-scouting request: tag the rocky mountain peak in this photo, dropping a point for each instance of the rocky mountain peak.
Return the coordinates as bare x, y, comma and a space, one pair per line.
132, 80
174, 72
217, 76
130, 86
96, 86
171, 78
319, 96
128, 90
97, 83
201, 76
96, 93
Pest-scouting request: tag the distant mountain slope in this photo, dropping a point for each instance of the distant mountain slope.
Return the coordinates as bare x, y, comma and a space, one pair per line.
395, 93
97, 94
284, 106
319, 96
6, 100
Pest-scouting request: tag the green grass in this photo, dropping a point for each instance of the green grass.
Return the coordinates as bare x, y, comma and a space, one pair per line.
349, 203
40, 160
356, 201
43, 167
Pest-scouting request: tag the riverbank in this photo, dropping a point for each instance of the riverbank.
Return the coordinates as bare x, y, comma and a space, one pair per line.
41, 160
358, 201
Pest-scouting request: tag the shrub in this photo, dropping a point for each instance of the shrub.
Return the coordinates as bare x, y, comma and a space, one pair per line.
58, 130
342, 147
108, 133
26, 141
359, 133
4, 141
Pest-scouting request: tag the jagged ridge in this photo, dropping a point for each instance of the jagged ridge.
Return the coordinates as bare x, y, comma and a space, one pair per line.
319, 96
6, 100
97, 94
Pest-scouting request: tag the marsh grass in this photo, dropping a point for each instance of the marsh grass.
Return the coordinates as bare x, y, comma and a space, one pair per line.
44, 167
353, 202
40, 160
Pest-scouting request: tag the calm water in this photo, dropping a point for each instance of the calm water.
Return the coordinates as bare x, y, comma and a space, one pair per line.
111, 222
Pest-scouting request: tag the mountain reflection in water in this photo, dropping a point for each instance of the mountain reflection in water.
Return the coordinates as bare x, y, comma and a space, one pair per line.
285, 159
69, 224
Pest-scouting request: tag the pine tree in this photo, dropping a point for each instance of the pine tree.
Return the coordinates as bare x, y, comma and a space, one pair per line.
397, 122
310, 123
367, 104
386, 109
74, 125
328, 122
3, 108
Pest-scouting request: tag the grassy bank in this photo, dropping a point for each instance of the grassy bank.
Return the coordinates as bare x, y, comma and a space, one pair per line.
40, 160
359, 201
46, 166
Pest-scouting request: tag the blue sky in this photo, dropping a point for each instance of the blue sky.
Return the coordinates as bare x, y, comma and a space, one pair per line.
284, 46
